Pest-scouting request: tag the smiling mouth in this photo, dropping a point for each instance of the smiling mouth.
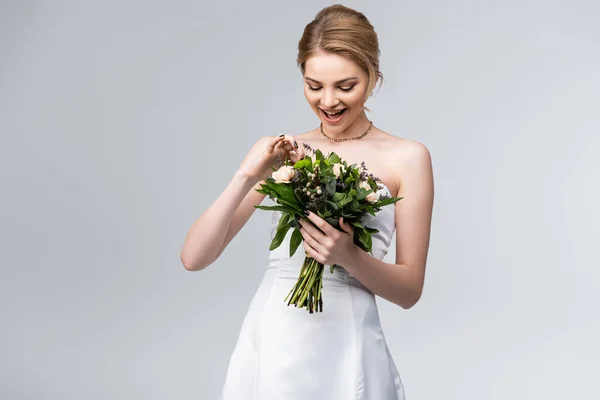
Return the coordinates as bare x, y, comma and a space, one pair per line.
333, 116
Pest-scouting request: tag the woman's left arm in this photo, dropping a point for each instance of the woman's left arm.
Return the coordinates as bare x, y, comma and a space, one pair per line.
402, 282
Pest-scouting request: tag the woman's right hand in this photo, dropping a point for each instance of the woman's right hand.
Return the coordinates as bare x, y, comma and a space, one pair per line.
260, 167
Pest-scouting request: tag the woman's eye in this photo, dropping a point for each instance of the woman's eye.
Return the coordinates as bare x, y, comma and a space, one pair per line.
314, 89
347, 89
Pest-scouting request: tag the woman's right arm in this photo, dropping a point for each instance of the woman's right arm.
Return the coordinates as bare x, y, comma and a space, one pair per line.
224, 218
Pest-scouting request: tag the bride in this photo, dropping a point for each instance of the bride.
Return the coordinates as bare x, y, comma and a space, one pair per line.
285, 353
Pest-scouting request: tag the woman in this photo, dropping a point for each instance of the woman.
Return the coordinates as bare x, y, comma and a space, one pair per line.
285, 352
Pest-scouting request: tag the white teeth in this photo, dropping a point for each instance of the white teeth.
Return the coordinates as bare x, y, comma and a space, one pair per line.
333, 113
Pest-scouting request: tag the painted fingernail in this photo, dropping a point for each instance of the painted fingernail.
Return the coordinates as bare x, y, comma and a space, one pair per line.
295, 144
282, 135
306, 212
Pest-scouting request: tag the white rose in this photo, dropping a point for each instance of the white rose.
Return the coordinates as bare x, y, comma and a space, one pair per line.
284, 174
372, 197
364, 185
338, 169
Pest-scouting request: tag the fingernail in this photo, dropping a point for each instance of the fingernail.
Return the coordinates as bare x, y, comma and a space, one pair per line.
306, 212
282, 135
295, 144
297, 217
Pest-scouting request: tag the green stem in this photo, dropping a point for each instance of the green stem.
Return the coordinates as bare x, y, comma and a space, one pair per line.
314, 275
302, 283
297, 286
307, 292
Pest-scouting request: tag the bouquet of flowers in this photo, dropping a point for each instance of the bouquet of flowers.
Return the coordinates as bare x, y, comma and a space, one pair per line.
330, 188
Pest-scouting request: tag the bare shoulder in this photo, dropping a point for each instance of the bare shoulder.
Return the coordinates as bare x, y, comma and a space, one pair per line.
410, 151
410, 159
404, 150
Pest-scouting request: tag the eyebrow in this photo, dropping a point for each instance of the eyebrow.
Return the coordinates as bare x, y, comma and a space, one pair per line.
341, 81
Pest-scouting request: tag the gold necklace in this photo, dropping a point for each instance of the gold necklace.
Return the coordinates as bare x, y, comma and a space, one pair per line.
351, 138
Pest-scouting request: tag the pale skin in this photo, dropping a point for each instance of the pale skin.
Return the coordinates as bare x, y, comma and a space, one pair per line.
333, 82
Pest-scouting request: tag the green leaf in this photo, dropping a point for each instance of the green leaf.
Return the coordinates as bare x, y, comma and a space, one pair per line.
339, 196
334, 158
345, 201
362, 193
284, 220
388, 201
282, 229
284, 193
335, 222
274, 208
295, 241
331, 186
319, 155
365, 239
332, 267
333, 205
357, 224
305, 162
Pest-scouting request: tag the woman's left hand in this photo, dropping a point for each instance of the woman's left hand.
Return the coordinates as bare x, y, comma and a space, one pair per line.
325, 243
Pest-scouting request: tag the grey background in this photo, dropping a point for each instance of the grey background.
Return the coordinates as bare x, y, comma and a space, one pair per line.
121, 122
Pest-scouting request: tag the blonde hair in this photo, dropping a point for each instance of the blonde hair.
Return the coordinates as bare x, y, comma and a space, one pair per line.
341, 30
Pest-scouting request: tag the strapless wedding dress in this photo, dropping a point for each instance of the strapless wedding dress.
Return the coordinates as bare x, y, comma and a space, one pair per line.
286, 353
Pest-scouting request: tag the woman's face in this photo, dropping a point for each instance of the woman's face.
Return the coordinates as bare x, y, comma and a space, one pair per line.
335, 88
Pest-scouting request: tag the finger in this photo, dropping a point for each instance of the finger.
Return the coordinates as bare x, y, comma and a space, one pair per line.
312, 252
298, 153
290, 143
313, 231
320, 223
349, 229
312, 235
284, 146
274, 142
280, 147
299, 148
288, 148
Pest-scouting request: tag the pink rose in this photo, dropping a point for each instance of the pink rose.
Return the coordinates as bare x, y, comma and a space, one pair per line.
284, 174
372, 197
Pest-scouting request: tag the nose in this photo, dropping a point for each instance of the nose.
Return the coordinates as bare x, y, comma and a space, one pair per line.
329, 99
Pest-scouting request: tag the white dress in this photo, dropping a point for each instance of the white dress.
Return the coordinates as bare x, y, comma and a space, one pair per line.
286, 353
